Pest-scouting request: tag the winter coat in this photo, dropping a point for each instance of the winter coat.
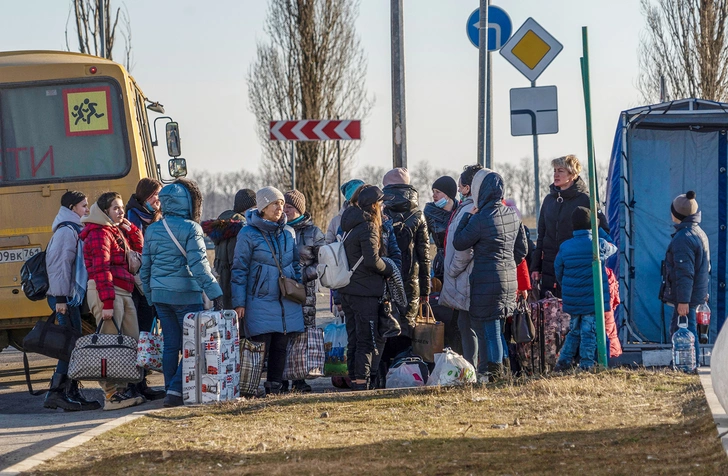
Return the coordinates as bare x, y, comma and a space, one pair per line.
309, 239
61, 254
255, 276
499, 242
458, 265
224, 233
410, 228
438, 220
610, 325
168, 277
363, 241
573, 267
335, 224
686, 274
137, 213
104, 253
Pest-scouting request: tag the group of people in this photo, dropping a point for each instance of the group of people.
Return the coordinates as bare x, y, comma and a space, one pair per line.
484, 262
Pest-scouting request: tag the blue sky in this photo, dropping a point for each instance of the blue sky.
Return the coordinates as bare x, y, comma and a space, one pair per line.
193, 56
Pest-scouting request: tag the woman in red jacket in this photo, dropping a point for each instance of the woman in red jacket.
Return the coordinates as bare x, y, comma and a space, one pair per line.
107, 236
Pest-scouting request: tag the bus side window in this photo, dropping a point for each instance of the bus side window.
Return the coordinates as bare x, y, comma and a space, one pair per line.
143, 121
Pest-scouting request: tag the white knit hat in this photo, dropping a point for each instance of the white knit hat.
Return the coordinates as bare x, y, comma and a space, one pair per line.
267, 195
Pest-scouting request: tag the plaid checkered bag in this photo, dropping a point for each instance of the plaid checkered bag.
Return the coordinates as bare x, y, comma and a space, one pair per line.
252, 355
306, 355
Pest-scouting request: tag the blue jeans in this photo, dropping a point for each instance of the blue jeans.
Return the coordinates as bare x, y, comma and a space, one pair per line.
692, 327
582, 338
491, 337
74, 317
171, 317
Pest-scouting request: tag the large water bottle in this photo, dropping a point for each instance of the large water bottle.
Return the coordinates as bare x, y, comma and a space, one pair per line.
683, 347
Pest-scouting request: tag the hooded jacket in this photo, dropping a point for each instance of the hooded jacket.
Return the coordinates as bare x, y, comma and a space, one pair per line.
335, 224
499, 242
61, 254
309, 239
255, 276
168, 277
137, 213
438, 220
458, 265
224, 233
363, 241
686, 275
410, 228
104, 253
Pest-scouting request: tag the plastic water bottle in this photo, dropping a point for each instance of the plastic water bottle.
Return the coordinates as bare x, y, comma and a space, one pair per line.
683, 347
702, 315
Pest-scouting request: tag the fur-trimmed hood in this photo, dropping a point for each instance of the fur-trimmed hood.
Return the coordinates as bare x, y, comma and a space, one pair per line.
183, 199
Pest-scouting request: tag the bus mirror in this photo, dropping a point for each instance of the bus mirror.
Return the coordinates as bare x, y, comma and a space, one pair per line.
173, 141
177, 167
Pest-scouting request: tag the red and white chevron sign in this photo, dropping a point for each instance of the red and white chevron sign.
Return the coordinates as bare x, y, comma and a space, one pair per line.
314, 129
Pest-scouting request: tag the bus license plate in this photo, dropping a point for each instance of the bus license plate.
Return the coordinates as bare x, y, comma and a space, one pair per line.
18, 255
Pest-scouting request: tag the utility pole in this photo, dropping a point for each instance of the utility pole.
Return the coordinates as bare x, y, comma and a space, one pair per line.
102, 30
482, 73
399, 125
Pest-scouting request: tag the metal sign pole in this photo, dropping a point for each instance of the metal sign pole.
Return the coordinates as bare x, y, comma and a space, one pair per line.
399, 123
482, 74
489, 109
293, 165
536, 173
338, 165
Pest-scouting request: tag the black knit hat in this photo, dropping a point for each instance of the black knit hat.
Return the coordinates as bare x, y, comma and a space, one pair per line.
244, 200
446, 185
581, 218
72, 198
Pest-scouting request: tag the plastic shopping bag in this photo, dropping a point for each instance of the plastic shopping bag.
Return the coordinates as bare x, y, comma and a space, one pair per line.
407, 372
335, 343
451, 369
150, 348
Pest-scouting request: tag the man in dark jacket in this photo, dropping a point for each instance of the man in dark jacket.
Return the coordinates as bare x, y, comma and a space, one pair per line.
410, 228
687, 264
224, 233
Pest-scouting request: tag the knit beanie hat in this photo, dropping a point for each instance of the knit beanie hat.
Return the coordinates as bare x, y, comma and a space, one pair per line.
684, 205
446, 185
72, 198
581, 218
244, 200
398, 175
348, 188
296, 199
267, 195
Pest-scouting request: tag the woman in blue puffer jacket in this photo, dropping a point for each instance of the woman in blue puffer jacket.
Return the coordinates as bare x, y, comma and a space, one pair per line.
174, 280
266, 315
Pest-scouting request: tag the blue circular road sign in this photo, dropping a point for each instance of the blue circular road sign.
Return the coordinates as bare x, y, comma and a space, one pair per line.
500, 27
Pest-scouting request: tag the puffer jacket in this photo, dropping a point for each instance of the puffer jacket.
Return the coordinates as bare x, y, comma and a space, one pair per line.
458, 265
168, 277
255, 276
309, 239
335, 224
224, 233
104, 253
138, 214
573, 267
410, 228
363, 241
499, 242
438, 220
687, 264
61, 254
554, 227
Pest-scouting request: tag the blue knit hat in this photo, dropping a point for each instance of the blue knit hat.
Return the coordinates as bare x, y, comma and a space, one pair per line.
350, 187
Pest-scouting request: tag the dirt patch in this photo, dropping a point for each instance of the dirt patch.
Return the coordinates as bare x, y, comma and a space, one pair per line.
617, 422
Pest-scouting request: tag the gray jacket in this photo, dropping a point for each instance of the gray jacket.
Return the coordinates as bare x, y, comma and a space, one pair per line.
458, 265
335, 224
61, 254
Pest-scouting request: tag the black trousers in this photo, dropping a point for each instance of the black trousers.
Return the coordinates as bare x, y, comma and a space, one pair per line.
145, 311
362, 329
276, 345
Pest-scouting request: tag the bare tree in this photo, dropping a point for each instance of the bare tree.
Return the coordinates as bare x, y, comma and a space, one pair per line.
86, 16
219, 189
313, 68
685, 43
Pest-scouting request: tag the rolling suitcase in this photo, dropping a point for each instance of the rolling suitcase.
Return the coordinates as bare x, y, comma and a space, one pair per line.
551, 324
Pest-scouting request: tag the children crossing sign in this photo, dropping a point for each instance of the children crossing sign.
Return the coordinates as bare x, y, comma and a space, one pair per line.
531, 49
87, 111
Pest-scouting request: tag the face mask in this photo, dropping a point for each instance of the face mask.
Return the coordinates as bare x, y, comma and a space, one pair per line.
441, 203
149, 208
462, 197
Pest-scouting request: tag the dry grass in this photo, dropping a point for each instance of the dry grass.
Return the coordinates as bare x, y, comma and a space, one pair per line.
617, 422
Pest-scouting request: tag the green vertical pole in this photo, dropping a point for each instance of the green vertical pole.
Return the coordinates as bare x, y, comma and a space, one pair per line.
596, 263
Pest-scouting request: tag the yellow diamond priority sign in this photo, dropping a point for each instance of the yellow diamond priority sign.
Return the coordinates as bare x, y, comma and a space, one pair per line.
531, 49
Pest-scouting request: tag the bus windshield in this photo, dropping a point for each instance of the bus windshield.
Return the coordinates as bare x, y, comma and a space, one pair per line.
59, 131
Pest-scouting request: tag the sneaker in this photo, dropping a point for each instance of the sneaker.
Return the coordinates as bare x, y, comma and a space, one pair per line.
148, 392
173, 401
120, 400
133, 392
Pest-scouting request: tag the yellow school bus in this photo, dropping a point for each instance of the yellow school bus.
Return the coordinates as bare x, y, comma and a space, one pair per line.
68, 121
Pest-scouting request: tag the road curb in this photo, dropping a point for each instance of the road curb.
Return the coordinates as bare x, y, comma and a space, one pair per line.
716, 409
31, 462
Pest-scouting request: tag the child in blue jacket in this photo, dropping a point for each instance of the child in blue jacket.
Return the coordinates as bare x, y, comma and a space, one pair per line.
573, 266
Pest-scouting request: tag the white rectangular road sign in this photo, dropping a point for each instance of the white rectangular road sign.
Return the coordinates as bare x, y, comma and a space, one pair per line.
534, 111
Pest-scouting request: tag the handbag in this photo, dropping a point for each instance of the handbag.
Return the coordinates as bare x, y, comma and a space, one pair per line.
290, 288
251, 366
133, 258
150, 348
110, 357
429, 335
522, 328
305, 355
388, 326
207, 304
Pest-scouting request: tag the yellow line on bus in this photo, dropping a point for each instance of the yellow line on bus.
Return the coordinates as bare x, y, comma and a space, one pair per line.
25, 231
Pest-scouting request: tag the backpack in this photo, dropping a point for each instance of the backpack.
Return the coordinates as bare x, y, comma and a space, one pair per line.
333, 266
406, 242
33, 273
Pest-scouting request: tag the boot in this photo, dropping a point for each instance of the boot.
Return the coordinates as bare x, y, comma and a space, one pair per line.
272, 388
74, 394
148, 392
495, 371
56, 396
301, 386
356, 387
